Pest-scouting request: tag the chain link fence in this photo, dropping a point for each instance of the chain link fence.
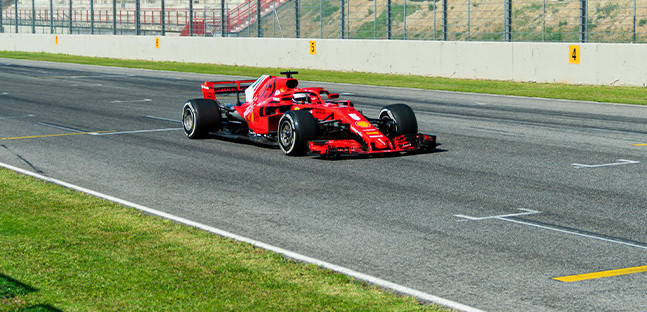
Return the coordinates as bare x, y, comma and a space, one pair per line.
620, 21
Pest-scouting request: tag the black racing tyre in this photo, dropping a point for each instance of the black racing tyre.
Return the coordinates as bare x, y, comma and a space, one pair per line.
404, 120
296, 128
199, 117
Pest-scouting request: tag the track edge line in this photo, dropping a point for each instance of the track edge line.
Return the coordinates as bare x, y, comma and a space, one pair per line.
287, 253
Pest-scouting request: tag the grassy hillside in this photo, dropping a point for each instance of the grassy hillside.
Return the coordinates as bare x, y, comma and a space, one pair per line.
555, 21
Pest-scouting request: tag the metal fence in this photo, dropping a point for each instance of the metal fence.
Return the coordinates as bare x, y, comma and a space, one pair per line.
619, 21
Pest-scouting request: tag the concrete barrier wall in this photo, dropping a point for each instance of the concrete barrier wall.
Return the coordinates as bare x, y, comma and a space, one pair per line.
602, 64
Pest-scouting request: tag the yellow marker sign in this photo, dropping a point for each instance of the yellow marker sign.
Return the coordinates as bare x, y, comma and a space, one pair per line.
56, 39
157, 42
574, 54
313, 47
588, 276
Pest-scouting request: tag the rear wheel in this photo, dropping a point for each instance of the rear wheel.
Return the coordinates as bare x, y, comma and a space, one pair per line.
296, 128
400, 120
199, 117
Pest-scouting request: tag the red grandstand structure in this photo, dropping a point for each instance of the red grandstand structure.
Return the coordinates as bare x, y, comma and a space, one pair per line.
185, 21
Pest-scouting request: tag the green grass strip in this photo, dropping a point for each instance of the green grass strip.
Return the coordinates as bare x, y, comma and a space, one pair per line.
612, 94
10, 288
68, 251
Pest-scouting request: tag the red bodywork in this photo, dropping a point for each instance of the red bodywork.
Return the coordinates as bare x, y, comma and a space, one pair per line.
269, 97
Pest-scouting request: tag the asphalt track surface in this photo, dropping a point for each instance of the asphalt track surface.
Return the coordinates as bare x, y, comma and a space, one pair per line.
522, 191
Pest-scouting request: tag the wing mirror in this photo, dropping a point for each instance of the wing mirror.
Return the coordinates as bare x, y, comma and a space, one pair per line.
291, 83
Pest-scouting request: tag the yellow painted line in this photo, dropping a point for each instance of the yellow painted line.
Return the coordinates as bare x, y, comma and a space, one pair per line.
594, 275
55, 135
643, 144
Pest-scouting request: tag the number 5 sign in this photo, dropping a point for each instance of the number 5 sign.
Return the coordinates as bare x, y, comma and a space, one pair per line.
574, 54
313, 47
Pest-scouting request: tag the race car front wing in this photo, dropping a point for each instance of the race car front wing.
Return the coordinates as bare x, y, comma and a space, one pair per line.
402, 143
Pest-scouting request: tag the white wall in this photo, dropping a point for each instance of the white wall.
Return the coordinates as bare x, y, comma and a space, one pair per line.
603, 64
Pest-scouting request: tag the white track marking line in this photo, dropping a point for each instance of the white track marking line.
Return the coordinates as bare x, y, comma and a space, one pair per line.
576, 233
59, 127
54, 135
16, 117
163, 119
545, 227
526, 212
84, 76
290, 254
136, 131
131, 101
619, 163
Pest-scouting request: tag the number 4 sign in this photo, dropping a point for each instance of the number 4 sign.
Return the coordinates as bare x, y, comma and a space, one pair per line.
574, 54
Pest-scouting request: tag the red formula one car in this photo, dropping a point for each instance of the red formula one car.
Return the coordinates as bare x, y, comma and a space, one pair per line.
300, 120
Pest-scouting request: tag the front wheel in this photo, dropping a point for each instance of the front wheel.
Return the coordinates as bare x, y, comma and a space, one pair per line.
400, 120
296, 128
199, 117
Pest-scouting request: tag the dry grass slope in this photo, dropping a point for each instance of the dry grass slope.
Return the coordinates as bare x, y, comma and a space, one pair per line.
478, 20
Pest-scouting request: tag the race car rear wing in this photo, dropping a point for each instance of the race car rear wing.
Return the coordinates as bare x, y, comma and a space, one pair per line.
211, 88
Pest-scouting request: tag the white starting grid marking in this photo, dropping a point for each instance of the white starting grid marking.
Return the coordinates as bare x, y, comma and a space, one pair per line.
59, 127
74, 131
619, 162
131, 101
526, 212
111, 132
163, 119
134, 131
16, 117
502, 217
